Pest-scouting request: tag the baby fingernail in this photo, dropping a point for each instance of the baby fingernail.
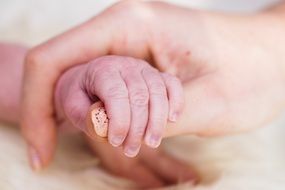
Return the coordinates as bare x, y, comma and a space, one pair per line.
173, 117
153, 141
132, 151
117, 140
35, 159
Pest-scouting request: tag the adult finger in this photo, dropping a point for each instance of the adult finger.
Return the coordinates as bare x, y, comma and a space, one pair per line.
113, 160
144, 176
158, 107
164, 165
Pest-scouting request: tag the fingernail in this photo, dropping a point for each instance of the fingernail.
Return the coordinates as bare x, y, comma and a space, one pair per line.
153, 141
173, 117
132, 151
117, 141
35, 159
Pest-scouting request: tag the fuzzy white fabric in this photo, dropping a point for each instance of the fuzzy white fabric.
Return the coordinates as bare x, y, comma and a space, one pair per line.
252, 161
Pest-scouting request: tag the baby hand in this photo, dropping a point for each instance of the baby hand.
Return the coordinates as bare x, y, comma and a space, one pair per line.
138, 100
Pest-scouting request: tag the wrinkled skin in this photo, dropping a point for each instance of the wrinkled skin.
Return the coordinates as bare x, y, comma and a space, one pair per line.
80, 86
139, 100
140, 169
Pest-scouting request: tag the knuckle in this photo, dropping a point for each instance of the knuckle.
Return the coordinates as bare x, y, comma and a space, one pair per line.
137, 10
102, 68
127, 5
119, 124
139, 97
104, 74
131, 64
105, 60
35, 58
157, 88
166, 75
116, 92
173, 80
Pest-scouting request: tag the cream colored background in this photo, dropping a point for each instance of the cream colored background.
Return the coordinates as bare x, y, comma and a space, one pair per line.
32, 21
253, 161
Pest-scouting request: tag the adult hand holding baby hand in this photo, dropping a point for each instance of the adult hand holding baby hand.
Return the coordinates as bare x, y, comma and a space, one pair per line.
135, 95
226, 92
115, 31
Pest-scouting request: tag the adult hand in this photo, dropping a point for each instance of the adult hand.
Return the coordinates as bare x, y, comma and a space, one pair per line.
151, 168
231, 65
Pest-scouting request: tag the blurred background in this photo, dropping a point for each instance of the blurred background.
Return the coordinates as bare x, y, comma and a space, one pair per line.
32, 21
252, 161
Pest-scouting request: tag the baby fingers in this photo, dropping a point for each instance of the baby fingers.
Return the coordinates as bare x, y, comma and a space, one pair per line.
175, 96
139, 101
111, 89
158, 107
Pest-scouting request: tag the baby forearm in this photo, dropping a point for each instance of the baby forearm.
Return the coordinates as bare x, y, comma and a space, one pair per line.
11, 72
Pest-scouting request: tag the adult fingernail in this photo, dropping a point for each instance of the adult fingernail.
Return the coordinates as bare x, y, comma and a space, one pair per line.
173, 117
116, 140
132, 151
153, 141
35, 159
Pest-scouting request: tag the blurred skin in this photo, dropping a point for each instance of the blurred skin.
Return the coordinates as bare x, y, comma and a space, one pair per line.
74, 83
231, 66
11, 72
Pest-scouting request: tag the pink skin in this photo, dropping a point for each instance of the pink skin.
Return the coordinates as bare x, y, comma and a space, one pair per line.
226, 92
139, 99
98, 119
11, 72
141, 169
